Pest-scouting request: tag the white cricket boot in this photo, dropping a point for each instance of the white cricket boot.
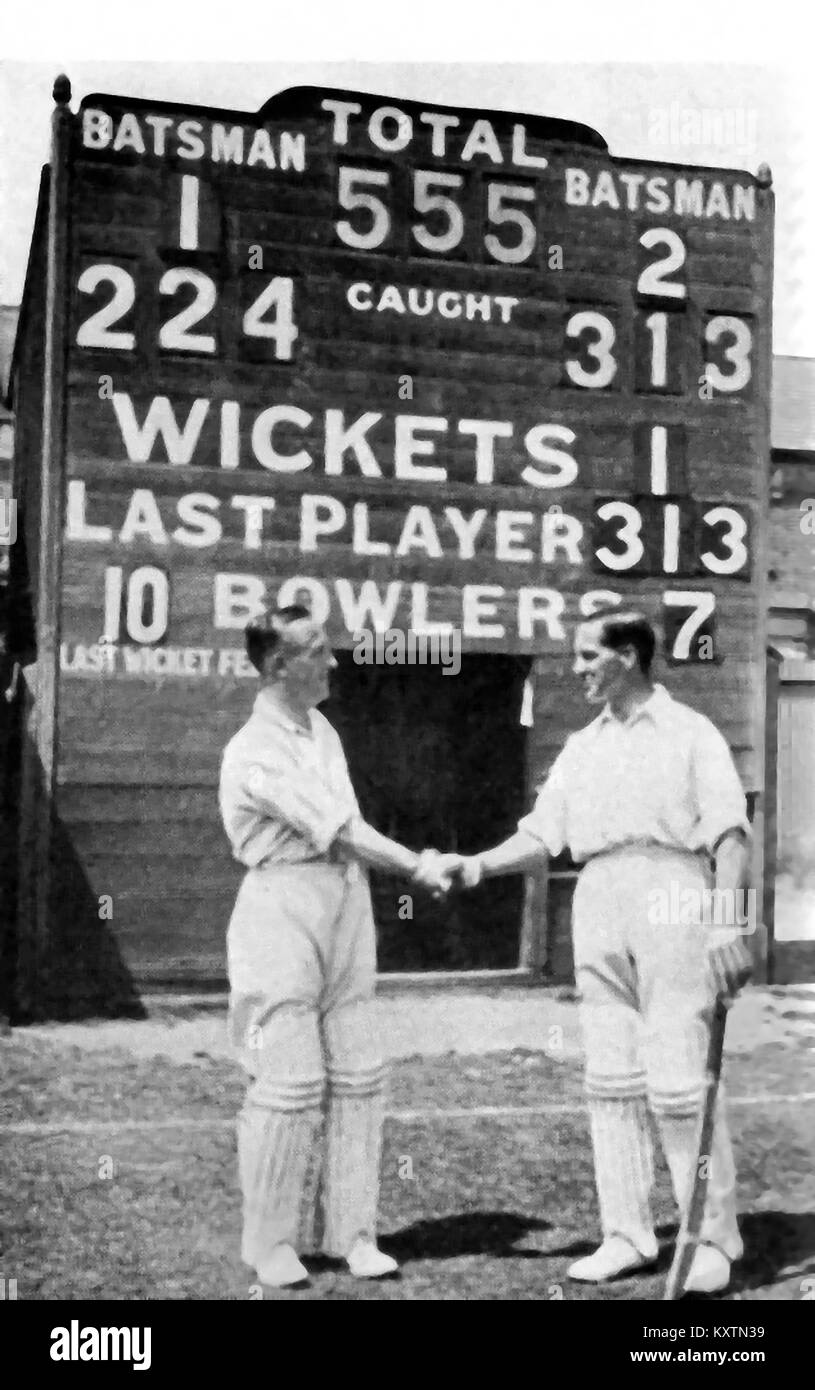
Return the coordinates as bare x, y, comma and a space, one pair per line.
366, 1261
614, 1258
709, 1272
282, 1268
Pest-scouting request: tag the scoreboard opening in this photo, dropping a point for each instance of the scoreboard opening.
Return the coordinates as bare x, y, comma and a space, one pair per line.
439, 762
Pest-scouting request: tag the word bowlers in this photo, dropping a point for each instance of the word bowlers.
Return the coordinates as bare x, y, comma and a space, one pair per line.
102, 1344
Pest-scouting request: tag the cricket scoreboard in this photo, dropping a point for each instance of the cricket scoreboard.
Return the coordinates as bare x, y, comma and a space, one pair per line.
421, 367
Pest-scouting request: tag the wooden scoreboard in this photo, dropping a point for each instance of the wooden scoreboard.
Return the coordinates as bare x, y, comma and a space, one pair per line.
425, 368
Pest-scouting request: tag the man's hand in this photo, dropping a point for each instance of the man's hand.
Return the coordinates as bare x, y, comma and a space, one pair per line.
731, 964
435, 872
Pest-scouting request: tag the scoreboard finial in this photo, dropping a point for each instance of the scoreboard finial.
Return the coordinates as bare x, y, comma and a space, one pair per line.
62, 90
764, 175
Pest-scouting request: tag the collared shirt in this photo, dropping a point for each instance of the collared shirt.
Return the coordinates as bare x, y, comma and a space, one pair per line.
665, 776
284, 791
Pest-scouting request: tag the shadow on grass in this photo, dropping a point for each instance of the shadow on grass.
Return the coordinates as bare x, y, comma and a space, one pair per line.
467, 1233
777, 1245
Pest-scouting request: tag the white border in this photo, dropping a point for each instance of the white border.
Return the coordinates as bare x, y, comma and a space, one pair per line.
453, 31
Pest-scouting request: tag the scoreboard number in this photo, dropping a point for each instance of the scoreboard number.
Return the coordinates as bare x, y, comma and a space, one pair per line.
278, 295
628, 534
595, 335
96, 331
174, 334
652, 280
657, 325
698, 624
497, 195
147, 604
354, 196
188, 220
732, 539
736, 353
665, 537
351, 199
425, 200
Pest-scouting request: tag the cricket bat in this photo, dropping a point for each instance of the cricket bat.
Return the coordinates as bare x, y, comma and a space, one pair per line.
688, 1237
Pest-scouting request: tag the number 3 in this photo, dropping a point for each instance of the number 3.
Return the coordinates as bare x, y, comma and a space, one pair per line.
733, 538
589, 321
629, 534
738, 353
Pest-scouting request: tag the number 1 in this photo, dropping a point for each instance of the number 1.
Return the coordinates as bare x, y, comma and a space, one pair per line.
657, 325
188, 222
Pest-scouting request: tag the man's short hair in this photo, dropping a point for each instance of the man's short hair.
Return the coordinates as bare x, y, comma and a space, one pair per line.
268, 632
626, 627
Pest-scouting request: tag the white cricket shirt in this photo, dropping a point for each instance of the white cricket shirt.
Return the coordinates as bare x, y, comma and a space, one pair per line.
663, 777
284, 792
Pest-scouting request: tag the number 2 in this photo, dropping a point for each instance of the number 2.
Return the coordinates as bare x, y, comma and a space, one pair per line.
652, 280
174, 334
96, 331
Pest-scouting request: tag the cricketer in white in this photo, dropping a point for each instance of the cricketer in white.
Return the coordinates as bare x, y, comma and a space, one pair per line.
301, 961
644, 796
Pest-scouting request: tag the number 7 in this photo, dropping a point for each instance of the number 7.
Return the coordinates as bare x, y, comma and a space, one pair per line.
701, 603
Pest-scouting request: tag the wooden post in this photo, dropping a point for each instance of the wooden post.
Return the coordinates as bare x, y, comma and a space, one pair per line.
533, 948
34, 923
765, 969
763, 387
533, 953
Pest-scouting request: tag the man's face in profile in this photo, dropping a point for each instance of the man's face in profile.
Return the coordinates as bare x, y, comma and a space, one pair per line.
603, 671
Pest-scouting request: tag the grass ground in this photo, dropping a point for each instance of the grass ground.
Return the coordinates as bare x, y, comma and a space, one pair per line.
120, 1176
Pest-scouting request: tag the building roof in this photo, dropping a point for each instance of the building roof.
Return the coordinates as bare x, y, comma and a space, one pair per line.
793, 406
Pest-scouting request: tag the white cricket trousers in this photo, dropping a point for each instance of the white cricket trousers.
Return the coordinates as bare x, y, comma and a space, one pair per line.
302, 962
646, 1009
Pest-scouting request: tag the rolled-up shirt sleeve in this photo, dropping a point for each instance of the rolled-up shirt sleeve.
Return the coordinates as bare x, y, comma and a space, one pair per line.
306, 804
720, 798
547, 821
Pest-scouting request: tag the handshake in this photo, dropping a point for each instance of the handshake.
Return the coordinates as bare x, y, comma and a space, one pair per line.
437, 872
